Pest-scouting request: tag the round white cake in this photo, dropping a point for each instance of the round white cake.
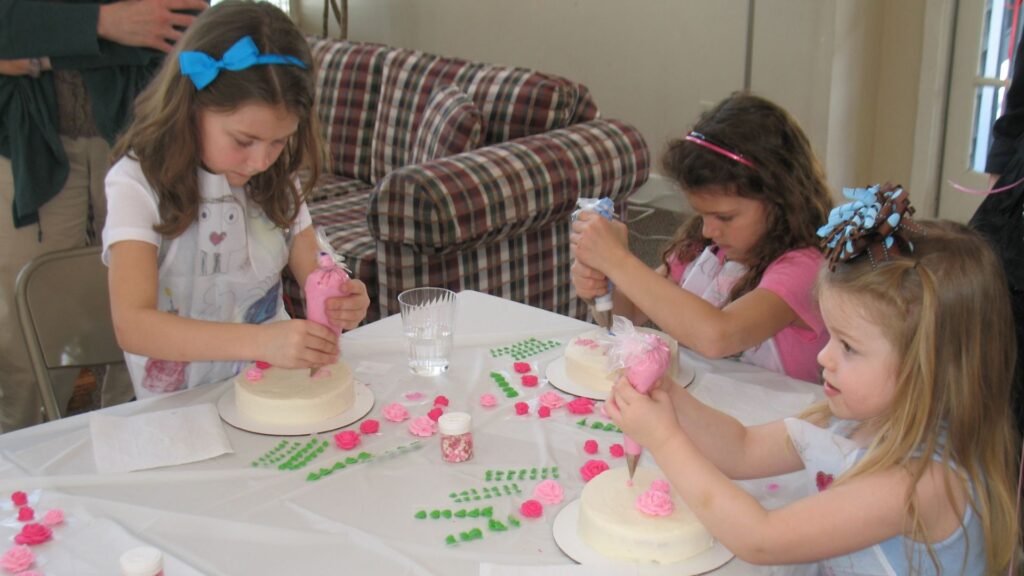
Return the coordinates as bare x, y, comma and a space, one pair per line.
285, 396
586, 359
611, 524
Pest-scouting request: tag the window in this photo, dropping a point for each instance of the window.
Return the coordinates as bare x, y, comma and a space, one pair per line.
1000, 33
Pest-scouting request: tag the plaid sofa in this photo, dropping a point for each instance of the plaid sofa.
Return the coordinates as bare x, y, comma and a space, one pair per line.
480, 202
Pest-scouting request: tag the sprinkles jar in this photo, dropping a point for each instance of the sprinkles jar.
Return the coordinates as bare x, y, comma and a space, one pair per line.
456, 438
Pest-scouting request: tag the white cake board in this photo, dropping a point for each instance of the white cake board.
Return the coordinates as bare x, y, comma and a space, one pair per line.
361, 407
559, 378
568, 539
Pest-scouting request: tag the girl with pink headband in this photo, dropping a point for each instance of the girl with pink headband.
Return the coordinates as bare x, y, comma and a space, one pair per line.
738, 278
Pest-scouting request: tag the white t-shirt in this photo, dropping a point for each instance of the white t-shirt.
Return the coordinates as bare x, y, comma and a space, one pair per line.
226, 267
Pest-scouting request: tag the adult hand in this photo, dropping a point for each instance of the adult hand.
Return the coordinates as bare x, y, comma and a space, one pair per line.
650, 420
146, 23
299, 344
589, 283
597, 242
346, 312
21, 67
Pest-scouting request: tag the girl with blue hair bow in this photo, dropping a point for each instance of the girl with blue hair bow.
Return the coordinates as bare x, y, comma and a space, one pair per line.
205, 208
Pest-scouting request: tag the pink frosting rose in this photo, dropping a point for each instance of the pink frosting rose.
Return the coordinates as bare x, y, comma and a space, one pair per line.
17, 559
422, 426
369, 426
33, 534
552, 400
661, 486
262, 365
413, 396
26, 513
531, 509
521, 367
53, 517
395, 412
530, 380
543, 412
435, 413
19, 498
488, 400
655, 503
254, 374
616, 450
549, 492
590, 446
522, 408
592, 468
581, 406
440, 401
347, 439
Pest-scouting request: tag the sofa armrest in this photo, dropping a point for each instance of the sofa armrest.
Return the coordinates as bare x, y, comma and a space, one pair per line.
502, 190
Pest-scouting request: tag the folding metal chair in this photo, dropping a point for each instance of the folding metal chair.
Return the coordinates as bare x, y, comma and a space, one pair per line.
64, 309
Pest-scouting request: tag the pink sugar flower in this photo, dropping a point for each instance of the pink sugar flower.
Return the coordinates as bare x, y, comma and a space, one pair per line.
17, 559
529, 380
347, 439
590, 446
531, 509
395, 412
413, 396
661, 486
53, 517
33, 534
551, 400
369, 426
549, 492
522, 367
522, 408
543, 412
19, 498
254, 374
617, 451
26, 513
581, 406
422, 426
655, 503
435, 413
440, 401
488, 400
260, 364
592, 468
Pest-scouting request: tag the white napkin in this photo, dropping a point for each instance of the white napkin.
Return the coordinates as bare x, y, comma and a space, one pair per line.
167, 438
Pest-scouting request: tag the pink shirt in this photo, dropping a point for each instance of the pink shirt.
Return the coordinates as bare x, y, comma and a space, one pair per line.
792, 277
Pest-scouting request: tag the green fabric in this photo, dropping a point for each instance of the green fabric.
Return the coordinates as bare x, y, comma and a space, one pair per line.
29, 137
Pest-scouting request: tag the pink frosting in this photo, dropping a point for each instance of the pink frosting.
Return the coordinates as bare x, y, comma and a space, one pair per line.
580, 406
543, 412
347, 439
435, 413
590, 446
645, 365
26, 513
30, 573
552, 400
488, 400
616, 450
413, 396
395, 412
321, 373
655, 503
440, 401
33, 534
422, 426
521, 367
530, 380
592, 468
262, 365
588, 343
661, 486
327, 281
369, 426
19, 498
531, 509
549, 492
53, 517
17, 559
254, 374
522, 408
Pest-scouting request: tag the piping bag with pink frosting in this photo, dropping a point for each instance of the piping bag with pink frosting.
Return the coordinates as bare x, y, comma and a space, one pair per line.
327, 281
643, 357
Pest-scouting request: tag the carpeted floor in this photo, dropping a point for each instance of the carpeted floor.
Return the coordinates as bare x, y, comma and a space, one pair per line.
650, 232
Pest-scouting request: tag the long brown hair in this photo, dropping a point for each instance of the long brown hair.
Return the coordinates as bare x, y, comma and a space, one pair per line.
786, 177
164, 136
945, 310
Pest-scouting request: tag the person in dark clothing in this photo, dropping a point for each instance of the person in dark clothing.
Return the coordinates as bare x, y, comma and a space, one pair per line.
69, 72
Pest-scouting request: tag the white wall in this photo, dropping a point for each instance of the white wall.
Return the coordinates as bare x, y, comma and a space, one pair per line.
848, 71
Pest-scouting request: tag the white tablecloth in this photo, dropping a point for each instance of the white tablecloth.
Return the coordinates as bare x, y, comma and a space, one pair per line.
225, 516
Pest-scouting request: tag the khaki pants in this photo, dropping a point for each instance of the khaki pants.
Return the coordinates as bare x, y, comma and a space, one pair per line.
63, 223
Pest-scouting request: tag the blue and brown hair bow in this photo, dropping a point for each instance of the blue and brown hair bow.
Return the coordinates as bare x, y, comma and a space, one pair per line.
877, 222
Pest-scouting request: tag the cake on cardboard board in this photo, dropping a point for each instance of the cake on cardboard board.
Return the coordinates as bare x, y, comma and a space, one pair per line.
284, 396
586, 359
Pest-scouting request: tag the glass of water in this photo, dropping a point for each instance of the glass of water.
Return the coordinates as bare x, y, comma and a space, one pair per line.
428, 319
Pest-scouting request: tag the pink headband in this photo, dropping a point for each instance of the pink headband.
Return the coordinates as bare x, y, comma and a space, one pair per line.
702, 140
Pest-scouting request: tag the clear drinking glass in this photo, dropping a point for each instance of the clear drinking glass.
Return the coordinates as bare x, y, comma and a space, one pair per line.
428, 319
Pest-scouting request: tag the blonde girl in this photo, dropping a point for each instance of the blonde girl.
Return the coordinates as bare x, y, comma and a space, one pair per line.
913, 453
738, 279
206, 210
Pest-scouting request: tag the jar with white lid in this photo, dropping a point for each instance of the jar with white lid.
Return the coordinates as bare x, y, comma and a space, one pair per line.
142, 561
456, 437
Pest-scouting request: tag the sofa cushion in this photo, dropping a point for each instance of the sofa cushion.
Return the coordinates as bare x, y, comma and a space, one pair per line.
451, 125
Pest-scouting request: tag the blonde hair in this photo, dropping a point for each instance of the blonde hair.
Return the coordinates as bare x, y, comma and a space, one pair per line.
946, 312
786, 177
164, 136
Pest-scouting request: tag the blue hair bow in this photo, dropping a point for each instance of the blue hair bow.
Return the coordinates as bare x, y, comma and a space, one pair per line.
876, 222
202, 68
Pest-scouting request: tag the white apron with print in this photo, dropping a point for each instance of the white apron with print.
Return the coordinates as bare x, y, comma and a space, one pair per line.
712, 280
225, 268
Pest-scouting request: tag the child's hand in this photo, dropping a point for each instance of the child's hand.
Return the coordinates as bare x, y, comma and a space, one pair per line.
299, 344
346, 312
589, 283
597, 242
649, 420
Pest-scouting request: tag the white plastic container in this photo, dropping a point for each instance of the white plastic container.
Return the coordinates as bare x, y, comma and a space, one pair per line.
142, 561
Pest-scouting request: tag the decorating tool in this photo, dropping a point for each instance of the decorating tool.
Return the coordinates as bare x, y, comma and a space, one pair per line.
601, 306
327, 281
